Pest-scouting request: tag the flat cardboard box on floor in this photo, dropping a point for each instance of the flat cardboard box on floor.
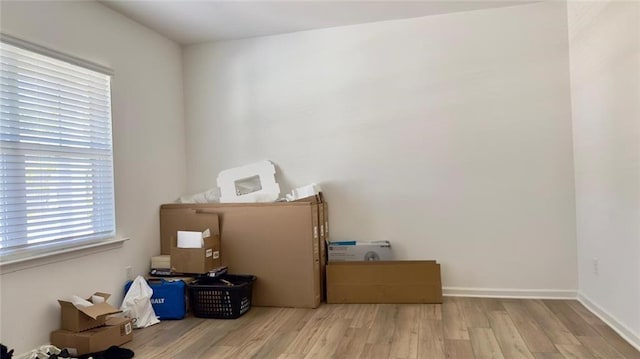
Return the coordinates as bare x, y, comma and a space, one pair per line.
117, 331
276, 242
77, 320
380, 282
195, 260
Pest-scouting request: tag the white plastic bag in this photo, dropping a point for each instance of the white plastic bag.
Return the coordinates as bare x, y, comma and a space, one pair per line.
137, 304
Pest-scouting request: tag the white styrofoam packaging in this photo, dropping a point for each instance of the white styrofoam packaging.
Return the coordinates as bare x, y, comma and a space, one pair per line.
352, 251
192, 239
255, 182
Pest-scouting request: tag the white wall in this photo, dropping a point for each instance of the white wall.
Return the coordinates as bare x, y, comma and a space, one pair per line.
149, 144
605, 84
449, 135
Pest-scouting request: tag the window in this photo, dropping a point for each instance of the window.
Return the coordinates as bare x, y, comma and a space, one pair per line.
56, 157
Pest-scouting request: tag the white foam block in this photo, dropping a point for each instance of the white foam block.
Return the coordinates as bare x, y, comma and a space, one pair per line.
255, 182
189, 239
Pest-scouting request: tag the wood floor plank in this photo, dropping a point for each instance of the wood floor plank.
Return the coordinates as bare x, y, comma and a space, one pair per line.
352, 343
613, 338
571, 351
305, 340
284, 336
572, 320
364, 316
512, 344
458, 349
484, 343
383, 328
287, 356
491, 305
431, 339
555, 355
405, 336
616, 341
253, 337
431, 311
535, 338
329, 339
474, 313
216, 351
589, 317
375, 351
599, 347
552, 326
453, 320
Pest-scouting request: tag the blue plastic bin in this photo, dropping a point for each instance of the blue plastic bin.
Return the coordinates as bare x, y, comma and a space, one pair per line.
168, 299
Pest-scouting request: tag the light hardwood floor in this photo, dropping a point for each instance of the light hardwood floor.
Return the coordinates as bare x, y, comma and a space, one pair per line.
458, 328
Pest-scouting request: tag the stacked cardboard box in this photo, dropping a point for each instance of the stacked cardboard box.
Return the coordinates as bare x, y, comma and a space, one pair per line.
89, 330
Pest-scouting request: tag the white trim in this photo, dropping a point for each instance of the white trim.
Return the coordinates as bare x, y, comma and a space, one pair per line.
59, 255
26, 45
509, 293
625, 332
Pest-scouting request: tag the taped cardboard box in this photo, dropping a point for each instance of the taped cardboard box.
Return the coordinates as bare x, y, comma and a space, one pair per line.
380, 282
116, 331
276, 242
79, 319
196, 260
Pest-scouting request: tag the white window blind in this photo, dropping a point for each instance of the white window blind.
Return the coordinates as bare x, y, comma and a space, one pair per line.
56, 157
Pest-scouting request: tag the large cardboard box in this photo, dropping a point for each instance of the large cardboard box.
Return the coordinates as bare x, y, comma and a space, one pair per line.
322, 238
117, 331
195, 260
77, 320
276, 242
384, 282
353, 251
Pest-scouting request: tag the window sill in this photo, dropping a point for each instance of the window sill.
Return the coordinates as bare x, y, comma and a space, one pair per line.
37, 260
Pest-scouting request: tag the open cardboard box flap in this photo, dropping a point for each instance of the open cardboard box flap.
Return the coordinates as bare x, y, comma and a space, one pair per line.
97, 310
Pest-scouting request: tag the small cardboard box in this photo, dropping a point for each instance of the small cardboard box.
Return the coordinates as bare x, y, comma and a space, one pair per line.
117, 331
79, 319
161, 262
197, 260
381, 282
359, 251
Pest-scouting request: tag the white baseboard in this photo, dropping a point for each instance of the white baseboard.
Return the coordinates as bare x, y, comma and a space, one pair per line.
509, 293
625, 332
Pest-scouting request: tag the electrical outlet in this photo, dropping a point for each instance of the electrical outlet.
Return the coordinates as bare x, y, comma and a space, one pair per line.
596, 270
129, 272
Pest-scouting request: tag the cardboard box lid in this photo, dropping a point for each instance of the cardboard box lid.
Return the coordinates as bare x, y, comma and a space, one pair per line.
97, 310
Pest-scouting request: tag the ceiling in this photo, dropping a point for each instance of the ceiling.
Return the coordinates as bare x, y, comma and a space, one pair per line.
189, 22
